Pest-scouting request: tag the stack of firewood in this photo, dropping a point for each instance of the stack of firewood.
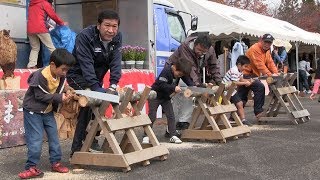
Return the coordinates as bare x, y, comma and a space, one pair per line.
66, 117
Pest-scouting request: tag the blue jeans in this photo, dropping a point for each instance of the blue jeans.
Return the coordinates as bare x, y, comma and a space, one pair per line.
303, 80
34, 125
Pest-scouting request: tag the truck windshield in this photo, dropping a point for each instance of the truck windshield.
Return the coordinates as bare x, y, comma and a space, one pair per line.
176, 29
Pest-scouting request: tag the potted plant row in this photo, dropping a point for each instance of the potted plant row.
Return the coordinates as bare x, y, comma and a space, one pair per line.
133, 57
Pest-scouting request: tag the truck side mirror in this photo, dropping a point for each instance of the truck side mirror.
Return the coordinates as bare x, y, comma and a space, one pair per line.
194, 23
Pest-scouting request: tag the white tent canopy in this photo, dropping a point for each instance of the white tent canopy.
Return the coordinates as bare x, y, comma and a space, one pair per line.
221, 19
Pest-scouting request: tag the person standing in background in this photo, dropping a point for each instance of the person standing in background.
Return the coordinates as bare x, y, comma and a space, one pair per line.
304, 68
279, 56
37, 29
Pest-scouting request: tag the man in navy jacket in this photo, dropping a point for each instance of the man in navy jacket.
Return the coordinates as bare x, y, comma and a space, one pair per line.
97, 49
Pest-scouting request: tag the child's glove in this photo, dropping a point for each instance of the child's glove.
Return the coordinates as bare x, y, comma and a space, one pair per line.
66, 97
68, 88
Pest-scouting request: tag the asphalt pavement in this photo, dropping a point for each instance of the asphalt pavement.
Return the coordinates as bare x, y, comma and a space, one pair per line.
276, 150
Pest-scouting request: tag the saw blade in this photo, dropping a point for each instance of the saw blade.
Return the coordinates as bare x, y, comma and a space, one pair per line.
201, 90
99, 95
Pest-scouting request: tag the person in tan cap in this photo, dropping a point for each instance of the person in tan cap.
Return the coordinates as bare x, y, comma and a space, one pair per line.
279, 56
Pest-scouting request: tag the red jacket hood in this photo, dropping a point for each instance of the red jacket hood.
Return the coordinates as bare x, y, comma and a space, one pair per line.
33, 2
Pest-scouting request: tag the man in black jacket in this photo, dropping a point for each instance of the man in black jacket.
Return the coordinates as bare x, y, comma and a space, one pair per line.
97, 49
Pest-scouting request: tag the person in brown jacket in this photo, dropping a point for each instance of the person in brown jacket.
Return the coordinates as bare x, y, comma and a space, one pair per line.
198, 50
261, 64
200, 53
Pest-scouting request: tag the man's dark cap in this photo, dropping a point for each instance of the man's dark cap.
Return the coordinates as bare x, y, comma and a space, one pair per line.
267, 38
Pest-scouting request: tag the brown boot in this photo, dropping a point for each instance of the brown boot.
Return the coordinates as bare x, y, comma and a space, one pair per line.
260, 115
302, 94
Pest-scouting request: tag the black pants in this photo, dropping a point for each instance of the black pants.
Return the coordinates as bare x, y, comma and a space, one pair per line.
303, 80
85, 115
167, 109
235, 98
259, 95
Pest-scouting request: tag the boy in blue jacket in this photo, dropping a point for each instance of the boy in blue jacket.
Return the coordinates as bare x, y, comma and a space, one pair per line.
165, 85
45, 92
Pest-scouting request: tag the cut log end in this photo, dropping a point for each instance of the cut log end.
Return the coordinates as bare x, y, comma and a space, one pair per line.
83, 101
269, 80
187, 93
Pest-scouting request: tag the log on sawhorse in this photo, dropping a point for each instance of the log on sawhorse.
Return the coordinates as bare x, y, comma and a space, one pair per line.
129, 151
212, 117
284, 95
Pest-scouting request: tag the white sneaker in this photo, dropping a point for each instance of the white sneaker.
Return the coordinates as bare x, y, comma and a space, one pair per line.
95, 147
309, 92
145, 140
175, 139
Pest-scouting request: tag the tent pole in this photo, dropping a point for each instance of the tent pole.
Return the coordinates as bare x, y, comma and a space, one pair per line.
204, 74
297, 63
315, 56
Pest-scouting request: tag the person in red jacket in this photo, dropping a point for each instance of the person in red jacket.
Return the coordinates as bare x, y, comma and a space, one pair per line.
37, 29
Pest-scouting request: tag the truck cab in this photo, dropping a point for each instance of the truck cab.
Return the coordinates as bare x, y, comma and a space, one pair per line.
170, 31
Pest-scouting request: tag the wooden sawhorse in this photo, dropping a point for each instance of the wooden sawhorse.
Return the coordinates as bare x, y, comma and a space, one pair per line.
209, 113
283, 94
119, 154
